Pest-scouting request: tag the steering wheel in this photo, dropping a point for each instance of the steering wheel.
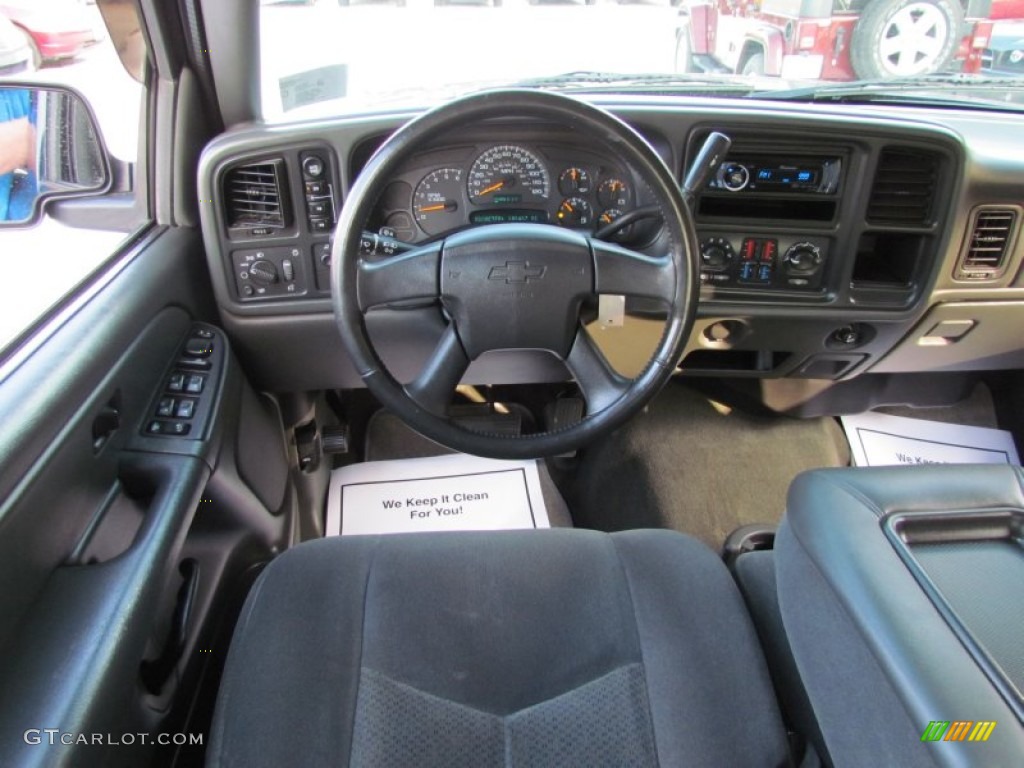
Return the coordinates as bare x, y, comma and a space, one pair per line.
514, 286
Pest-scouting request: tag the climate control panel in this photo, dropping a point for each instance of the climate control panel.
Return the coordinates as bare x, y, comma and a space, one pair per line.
767, 262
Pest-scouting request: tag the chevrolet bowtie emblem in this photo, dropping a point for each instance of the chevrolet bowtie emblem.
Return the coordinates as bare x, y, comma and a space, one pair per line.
517, 272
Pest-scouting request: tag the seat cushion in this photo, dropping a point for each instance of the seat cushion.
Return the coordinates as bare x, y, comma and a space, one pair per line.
558, 648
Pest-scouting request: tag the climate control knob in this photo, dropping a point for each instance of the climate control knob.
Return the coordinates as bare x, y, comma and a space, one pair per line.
263, 272
803, 259
716, 253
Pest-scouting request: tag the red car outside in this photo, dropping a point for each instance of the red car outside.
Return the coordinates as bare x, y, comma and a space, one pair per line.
56, 29
1006, 9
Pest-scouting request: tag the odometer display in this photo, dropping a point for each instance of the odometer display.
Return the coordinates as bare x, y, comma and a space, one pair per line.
508, 172
507, 216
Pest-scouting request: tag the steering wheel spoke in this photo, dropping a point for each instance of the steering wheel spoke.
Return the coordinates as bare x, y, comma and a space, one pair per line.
412, 277
600, 384
624, 272
432, 388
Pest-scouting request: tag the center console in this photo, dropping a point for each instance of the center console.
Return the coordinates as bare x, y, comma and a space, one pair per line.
900, 592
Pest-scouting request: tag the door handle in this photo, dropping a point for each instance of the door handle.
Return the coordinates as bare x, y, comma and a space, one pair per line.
106, 422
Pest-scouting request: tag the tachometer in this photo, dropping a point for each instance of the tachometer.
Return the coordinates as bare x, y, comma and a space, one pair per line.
435, 203
508, 175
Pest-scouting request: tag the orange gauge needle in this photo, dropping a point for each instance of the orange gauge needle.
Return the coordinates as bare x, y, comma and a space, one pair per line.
430, 208
492, 188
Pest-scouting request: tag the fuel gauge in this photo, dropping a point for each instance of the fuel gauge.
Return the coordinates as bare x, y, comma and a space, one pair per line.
574, 212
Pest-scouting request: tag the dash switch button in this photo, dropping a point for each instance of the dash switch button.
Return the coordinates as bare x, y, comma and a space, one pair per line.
199, 347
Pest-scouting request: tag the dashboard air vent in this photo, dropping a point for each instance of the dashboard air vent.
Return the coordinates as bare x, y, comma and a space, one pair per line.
253, 195
988, 244
904, 188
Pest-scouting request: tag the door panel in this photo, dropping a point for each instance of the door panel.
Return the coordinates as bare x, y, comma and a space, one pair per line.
98, 514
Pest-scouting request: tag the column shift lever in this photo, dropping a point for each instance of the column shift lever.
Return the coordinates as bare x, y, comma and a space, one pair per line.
707, 160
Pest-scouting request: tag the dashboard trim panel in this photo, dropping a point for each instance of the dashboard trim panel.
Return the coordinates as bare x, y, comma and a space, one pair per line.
855, 282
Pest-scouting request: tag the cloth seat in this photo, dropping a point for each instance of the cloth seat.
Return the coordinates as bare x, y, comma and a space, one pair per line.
529, 648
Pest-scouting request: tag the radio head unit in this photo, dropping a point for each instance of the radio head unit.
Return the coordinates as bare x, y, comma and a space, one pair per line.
778, 174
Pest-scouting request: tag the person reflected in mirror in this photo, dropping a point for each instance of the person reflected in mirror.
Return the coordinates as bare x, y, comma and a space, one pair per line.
18, 184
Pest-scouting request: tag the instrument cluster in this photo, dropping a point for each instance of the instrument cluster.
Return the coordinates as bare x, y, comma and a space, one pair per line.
452, 189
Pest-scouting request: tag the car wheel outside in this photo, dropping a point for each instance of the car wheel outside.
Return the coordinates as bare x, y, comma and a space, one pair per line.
904, 38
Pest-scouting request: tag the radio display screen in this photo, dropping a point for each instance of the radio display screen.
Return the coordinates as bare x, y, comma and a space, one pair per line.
786, 176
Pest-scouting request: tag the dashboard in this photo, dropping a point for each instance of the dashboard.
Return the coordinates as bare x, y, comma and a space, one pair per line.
833, 241
488, 183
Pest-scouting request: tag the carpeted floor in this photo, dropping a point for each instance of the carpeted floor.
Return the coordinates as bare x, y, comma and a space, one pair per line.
687, 465
683, 464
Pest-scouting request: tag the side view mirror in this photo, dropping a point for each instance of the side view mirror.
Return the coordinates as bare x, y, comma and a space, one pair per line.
50, 149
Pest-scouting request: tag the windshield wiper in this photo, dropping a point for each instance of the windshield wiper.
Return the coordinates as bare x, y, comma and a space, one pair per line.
617, 82
921, 89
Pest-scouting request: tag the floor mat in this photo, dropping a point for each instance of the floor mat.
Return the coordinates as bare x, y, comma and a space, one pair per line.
684, 464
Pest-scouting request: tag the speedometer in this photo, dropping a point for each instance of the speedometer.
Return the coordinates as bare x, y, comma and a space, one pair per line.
508, 175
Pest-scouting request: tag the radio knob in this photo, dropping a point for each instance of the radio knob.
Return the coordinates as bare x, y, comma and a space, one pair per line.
263, 272
803, 259
735, 176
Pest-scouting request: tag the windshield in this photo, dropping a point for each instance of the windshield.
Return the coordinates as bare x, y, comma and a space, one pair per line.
348, 56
